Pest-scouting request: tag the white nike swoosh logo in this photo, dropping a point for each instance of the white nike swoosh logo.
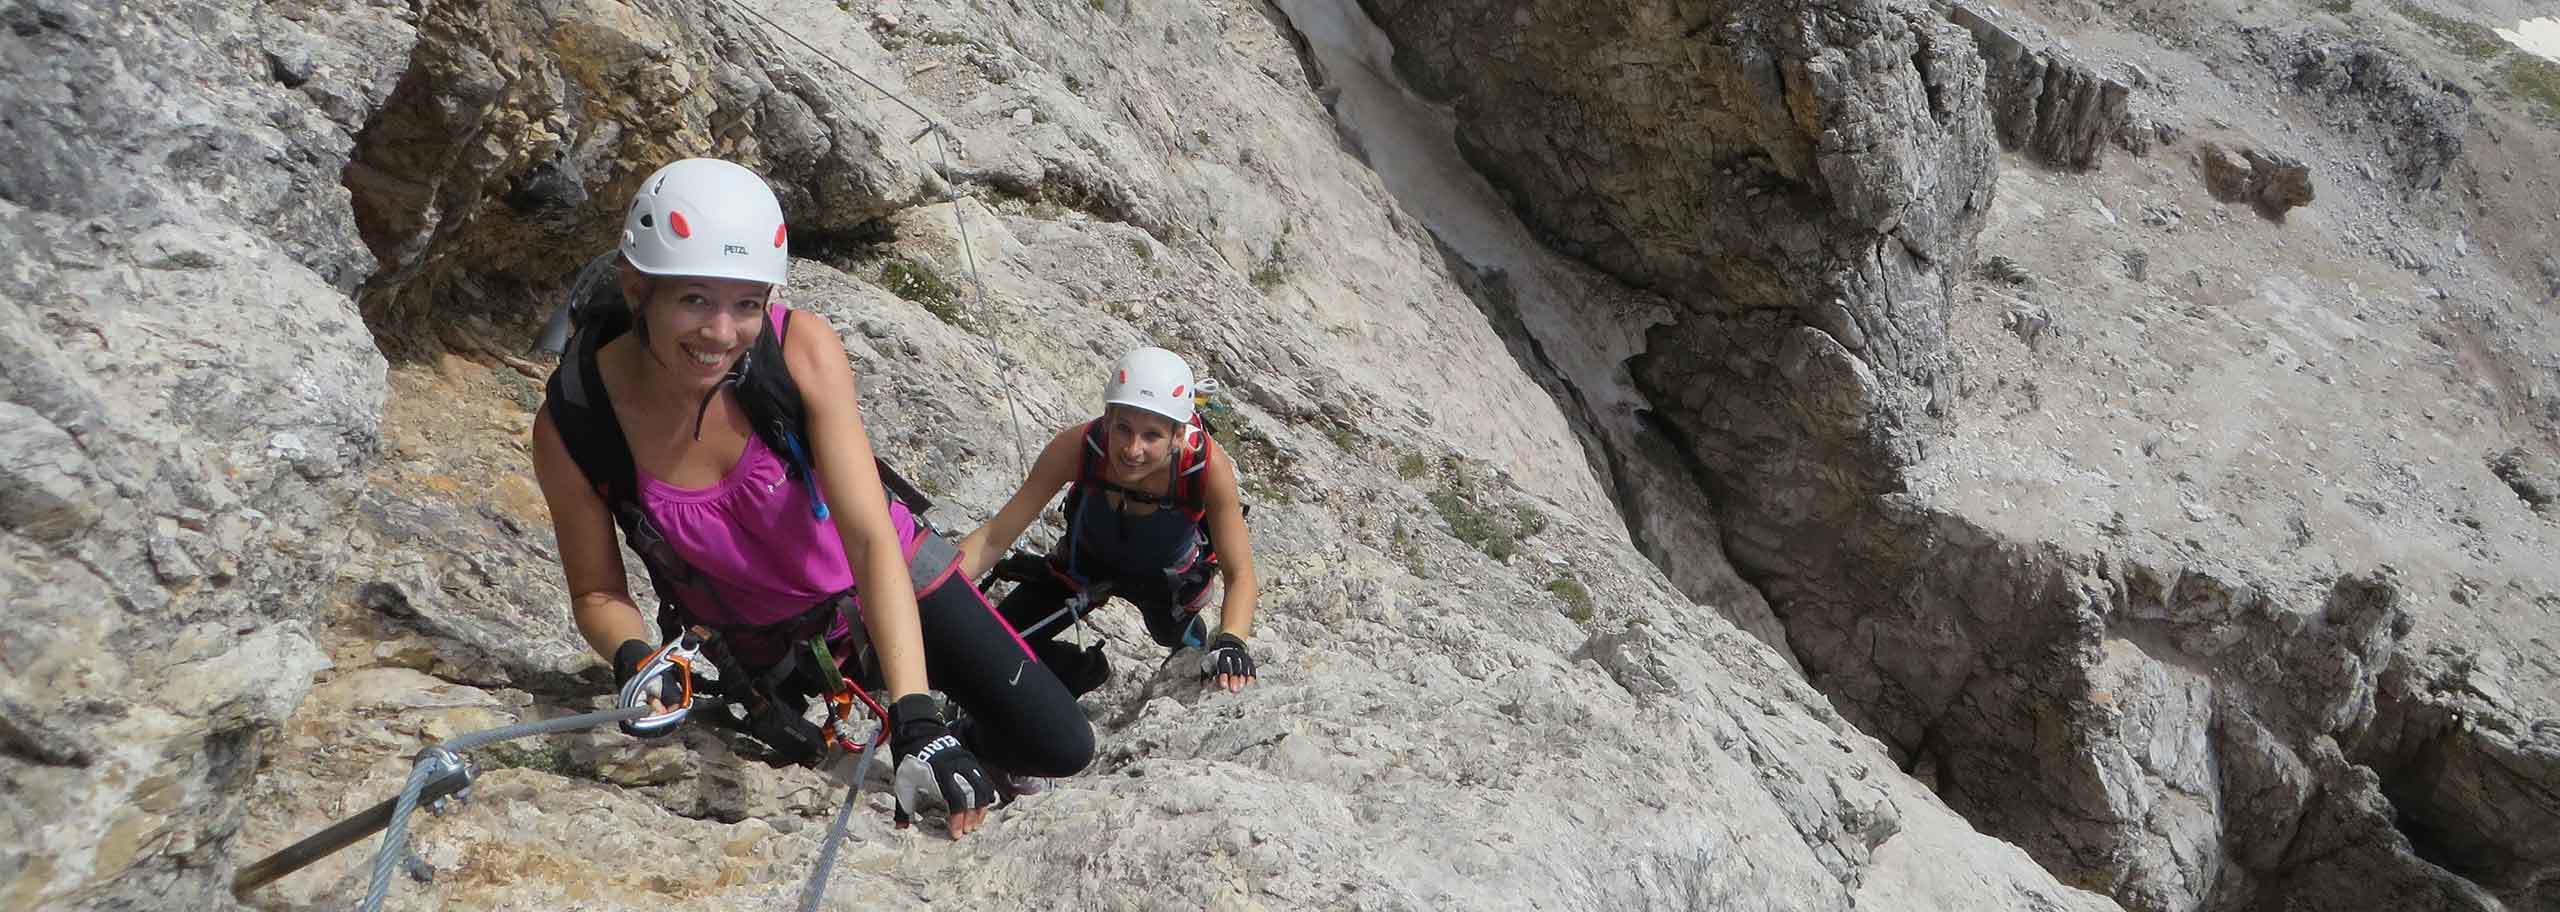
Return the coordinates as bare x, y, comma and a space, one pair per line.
1017, 673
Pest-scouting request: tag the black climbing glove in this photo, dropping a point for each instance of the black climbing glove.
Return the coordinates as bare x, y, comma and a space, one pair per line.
930, 760
1023, 567
1226, 656
627, 660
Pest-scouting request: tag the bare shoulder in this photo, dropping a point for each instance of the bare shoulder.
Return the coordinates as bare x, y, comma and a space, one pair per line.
812, 348
807, 332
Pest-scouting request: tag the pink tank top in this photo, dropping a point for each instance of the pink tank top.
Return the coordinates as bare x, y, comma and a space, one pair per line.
753, 540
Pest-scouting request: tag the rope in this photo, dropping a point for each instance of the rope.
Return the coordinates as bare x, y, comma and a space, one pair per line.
1021, 465
942, 153
816, 889
395, 838
440, 759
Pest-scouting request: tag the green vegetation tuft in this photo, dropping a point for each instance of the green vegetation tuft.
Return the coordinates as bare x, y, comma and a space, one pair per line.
548, 758
1345, 439
1412, 465
913, 281
1529, 520
1577, 600
2536, 82
1479, 529
2526, 78
1476, 514
2469, 39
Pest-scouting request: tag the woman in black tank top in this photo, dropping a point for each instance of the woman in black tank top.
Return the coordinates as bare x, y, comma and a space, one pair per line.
1153, 516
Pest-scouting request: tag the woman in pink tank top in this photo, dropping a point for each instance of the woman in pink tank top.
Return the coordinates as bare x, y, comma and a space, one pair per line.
643, 429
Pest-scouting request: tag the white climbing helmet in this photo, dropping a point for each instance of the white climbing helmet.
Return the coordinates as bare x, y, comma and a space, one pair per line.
1153, 379
707, 217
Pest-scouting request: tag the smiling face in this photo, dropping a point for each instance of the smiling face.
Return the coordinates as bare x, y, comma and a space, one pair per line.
1139, 442
696, 328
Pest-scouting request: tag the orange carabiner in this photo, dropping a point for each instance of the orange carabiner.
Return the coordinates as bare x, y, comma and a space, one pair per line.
840, 710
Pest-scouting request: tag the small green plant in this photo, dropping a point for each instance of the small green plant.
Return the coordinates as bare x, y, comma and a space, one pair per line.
1230, 436
1479, 529
913, 281
2536, 82
2469, 39
1412, 465
548, 758
2335, 7
1096, 4
1577, 600
1262, 490
1407, 551
1268, 275
1529, 520
1344, 439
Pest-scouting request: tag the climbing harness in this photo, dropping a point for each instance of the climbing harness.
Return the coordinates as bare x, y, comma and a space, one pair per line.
842, 699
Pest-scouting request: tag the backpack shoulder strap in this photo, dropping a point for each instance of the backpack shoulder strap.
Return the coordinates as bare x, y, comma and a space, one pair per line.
582, 412
771, 399
1088, 468
1190, 472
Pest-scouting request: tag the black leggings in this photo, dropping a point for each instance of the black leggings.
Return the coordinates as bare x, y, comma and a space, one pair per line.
1040, 609
1021, 719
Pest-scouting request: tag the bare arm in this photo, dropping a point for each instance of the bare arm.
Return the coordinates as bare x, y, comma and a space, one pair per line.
1225, 506
1053, 470
840, 451
589, 557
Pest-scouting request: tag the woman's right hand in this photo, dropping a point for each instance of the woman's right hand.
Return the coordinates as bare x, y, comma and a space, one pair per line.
627, 660
931, 764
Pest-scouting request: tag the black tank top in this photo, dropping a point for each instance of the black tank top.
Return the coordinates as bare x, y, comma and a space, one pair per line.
1112, 540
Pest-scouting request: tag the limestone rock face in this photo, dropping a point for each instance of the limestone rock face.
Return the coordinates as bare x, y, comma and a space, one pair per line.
492, 170
2417, 120
2169, 723
1797, 184
1593, 370
2046, 102
250, 575
190, 403
2270, 182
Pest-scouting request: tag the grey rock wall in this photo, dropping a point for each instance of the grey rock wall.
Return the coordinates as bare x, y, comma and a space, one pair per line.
2172, 734
198, 523
191, 401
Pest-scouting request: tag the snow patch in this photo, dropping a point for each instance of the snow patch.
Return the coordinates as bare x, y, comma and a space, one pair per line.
2539, 37
1411, 144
